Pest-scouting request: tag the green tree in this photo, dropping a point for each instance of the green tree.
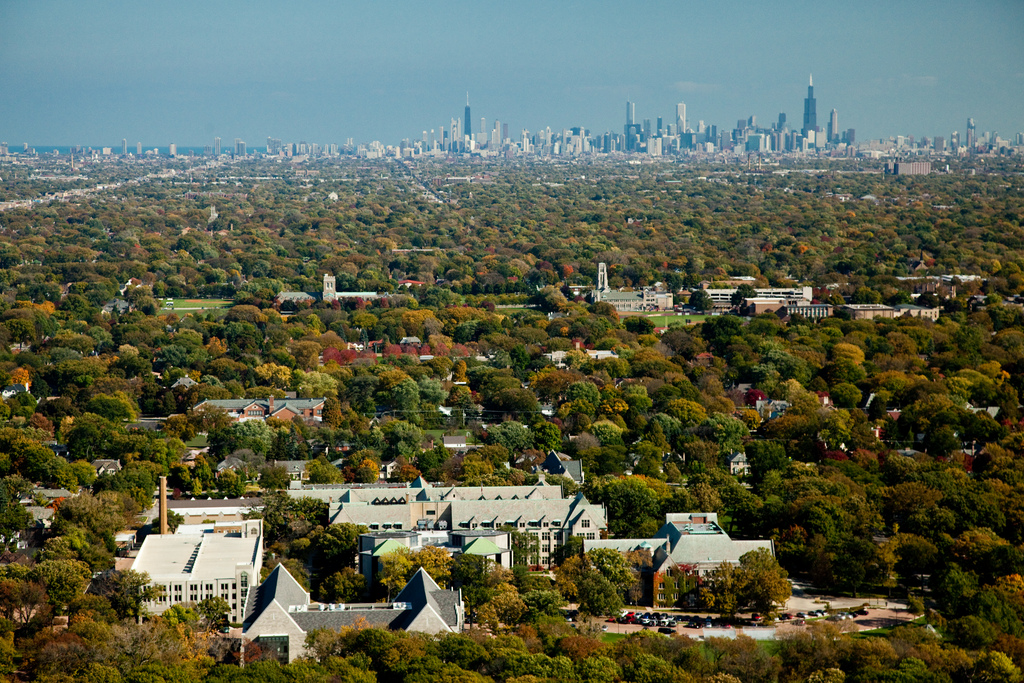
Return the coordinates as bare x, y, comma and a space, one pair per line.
514, 436
346, 585
322, 472
230, 484
65, 580
701, 300
478, 577
128, 592
213, 609
395, 568
763, 584
597, 596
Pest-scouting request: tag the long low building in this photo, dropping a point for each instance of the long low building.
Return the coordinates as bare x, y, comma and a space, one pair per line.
279, 613
204, 561
691, 540
539, 510
242, 409
724, 295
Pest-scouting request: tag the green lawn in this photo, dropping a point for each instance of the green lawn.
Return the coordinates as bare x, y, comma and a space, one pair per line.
667, 320
612, 638
197, 442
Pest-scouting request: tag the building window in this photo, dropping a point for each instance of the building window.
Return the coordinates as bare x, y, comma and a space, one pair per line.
277, 646
585, 523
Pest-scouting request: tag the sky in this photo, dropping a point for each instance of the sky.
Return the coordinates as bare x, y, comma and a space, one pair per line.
91, 72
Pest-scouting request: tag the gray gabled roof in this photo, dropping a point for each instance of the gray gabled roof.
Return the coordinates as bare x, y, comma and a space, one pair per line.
421, 592
279, 403
280, 586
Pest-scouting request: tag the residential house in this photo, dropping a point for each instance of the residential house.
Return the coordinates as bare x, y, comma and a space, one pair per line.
457, 442
12, 390
738, 463
184, 382
105, 466
562, 465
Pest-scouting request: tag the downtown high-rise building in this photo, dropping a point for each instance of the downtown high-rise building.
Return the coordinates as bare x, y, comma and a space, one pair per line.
810, 109
469, 122
124, 147
138, 149
216, 147
833, 127
173, 150
972, 135
680, 118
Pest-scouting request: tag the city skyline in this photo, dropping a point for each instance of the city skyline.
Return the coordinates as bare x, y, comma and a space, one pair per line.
81, 73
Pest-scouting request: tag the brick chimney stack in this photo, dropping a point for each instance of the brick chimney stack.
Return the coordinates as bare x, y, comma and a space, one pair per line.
271, 405
163, 505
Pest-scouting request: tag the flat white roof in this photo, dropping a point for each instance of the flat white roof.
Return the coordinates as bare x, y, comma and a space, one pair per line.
165, 557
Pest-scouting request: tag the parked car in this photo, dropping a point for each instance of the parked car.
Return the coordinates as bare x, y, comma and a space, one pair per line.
863, 612
801, 615
666, 629
785, 617
707, 623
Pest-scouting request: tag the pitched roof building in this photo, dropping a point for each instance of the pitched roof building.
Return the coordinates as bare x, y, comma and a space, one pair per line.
561, 464
539, 510
279, 613
242, 409
693, 540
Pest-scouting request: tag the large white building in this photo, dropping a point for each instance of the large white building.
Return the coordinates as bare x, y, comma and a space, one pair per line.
202, 561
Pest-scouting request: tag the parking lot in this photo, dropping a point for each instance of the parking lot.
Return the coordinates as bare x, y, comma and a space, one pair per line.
869, 619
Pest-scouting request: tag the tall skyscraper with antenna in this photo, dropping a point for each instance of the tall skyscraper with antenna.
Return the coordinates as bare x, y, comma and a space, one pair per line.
469, 122
810, 109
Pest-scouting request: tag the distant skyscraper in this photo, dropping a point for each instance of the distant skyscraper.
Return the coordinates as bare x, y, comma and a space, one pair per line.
138, 149
216, 147
810, 109
173, 150
239, 147
630, 113
972, 134
124, 147
833, 127
782, 121
469, 122
681, 118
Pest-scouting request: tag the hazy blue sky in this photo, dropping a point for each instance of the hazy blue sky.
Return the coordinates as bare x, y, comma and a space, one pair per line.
184, 71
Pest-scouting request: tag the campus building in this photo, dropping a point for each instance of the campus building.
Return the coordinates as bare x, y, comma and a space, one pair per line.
645, 299
687, 545
328, 293
242, 409
539, 510
202, 561
494, 545
279, 613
